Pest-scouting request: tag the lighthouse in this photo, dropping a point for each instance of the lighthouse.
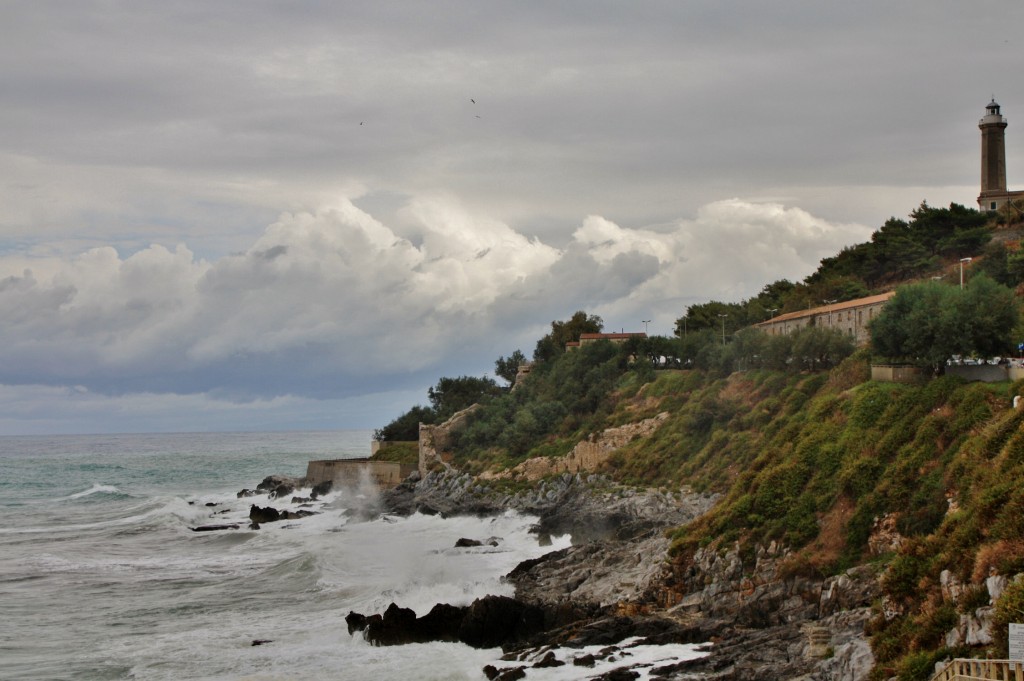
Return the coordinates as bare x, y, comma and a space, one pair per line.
993, 160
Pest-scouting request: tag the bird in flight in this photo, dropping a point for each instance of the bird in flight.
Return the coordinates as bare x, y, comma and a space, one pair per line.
472, 100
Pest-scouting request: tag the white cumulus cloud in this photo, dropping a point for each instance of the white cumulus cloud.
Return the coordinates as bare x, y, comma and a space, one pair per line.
330, 302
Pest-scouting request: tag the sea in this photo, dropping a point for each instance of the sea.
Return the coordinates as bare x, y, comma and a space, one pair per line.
103, 577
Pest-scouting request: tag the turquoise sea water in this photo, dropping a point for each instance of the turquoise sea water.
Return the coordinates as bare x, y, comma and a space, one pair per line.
102, 577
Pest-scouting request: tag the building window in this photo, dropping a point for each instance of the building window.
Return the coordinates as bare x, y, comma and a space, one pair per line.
992, 205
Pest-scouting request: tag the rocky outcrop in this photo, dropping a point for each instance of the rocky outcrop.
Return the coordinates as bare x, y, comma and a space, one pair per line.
435, 440
489, 622
586, 456
268, 514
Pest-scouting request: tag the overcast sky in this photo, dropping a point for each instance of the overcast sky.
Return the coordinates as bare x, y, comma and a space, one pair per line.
290, 215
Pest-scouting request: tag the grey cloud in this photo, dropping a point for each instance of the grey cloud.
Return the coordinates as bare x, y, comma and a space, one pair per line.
329, 303
146, 146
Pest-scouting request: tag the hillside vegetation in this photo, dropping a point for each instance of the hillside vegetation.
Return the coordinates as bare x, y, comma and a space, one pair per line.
804, 449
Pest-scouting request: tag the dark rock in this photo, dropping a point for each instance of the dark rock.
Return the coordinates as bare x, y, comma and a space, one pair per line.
263, 514
282, 490
549, 660
272, 482
493, 621
397, 626
400, 625
513, 674
321, 488
355, 621
211, 503
465, 543
587, 660
269, 514
619, 675
491, 672
301, 500
442, 623
295, 515
261, 641
214, 528
246, 493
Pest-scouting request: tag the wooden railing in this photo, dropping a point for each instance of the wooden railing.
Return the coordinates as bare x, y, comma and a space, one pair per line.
982, 670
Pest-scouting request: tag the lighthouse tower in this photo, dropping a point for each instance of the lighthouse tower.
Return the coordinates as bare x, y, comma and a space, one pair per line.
993, 160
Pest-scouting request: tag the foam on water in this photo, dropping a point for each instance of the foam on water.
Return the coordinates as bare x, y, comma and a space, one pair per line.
108, 580
95, 489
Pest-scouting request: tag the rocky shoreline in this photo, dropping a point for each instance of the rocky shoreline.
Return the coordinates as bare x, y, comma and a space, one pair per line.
617, 583
616, 587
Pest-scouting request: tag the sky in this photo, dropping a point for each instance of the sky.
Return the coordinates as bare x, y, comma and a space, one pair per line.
220, 216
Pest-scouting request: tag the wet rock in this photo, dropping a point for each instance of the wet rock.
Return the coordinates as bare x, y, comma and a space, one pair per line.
396, 626
301, 500
261, 641
263, 514
355, 621
587, 660
321, 489
493, 621
245, 493
214, 528
549, 660
269, 514
466, 543
282, 490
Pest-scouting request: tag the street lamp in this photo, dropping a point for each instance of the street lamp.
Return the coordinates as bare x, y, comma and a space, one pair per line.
723, 316
829, 303
772, 313
962, 261
645, 322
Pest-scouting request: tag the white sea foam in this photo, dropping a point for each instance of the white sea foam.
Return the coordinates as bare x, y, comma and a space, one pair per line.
95, 489
111, 582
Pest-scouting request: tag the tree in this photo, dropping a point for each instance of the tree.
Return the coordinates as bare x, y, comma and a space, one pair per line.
508, 368
986, 315
927, 323
918, 325
406, 427
569, 331
451, 395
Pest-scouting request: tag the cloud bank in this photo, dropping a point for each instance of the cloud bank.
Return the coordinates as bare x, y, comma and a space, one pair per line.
332, 303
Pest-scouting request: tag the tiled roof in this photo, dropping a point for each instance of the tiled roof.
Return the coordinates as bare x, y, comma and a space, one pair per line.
610, 336
825, 309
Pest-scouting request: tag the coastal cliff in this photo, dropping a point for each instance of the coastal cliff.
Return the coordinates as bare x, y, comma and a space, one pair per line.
821, 525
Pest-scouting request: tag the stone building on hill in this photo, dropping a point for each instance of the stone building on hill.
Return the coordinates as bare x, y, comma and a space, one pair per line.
612, 337
851, 317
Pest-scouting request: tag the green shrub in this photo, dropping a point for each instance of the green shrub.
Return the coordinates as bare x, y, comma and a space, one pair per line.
1009, 608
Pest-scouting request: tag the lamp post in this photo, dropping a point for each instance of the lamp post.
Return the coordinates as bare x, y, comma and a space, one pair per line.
962, 261
723, 316
772, 313
645, 322
829, 303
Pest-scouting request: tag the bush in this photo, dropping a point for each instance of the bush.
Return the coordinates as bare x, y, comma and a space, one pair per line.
1009, 608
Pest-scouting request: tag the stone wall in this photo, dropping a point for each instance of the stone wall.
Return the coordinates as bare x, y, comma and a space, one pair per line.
986, 373
898, 373
354, 472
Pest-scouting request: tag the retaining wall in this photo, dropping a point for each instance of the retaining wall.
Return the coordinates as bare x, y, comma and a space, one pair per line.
351, 472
